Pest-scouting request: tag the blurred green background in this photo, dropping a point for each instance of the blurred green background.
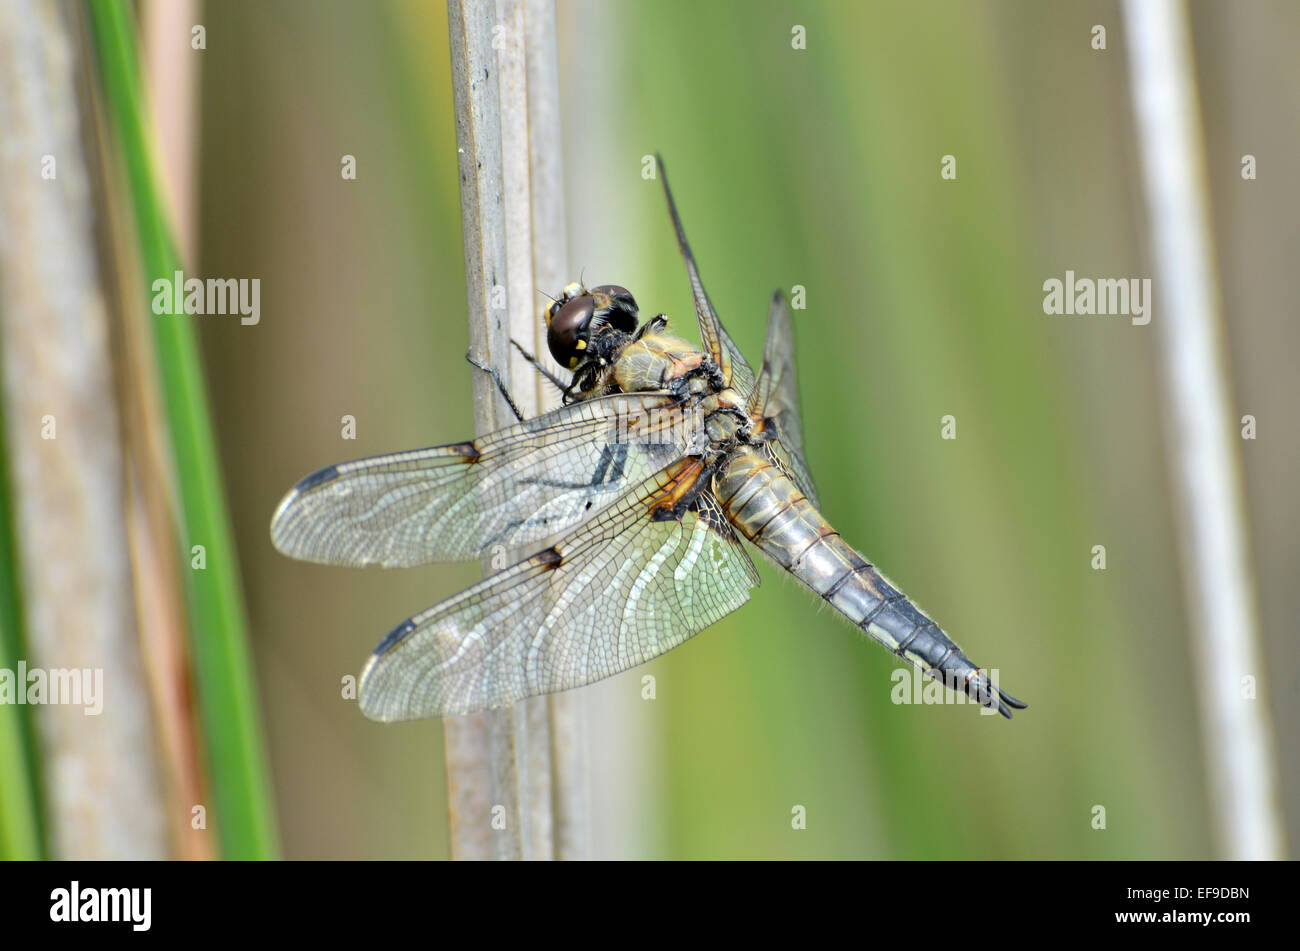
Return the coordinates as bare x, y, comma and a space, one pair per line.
820, 168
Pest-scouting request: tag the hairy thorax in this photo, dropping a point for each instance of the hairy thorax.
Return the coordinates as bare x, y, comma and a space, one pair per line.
654, 361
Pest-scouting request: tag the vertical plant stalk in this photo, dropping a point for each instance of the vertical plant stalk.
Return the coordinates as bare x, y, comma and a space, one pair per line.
1221, 606
512, 209
104, 790
219, 639
550, 272
152, 529
480, 751
530, 718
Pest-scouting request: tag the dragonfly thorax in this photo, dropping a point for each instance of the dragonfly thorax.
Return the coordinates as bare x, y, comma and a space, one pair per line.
656, 359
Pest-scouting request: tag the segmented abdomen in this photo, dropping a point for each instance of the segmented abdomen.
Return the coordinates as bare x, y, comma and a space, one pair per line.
771, 512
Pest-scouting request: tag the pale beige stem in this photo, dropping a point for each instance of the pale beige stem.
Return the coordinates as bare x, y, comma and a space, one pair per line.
101, 774
1218, 578
524, 760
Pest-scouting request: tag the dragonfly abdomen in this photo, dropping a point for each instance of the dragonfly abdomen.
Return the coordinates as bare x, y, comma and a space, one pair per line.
764, 503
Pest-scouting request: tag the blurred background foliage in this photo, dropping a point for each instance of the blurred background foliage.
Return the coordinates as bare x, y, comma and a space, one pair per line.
820, 168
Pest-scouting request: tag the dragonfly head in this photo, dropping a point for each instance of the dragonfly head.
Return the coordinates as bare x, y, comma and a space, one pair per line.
580, 314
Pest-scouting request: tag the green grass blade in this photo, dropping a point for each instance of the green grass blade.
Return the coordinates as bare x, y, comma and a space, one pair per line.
20, 814
228, 703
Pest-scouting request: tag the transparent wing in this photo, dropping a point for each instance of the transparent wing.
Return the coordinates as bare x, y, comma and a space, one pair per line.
776, 397
736, 372
518, 487
638, 579
792, 464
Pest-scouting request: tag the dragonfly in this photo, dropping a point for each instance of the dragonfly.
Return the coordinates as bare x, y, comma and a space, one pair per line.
634, 497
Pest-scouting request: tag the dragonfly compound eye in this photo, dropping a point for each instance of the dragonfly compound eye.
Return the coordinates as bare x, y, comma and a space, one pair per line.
569, 330
616, 305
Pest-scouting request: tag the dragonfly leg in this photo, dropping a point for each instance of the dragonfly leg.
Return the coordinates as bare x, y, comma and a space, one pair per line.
654, 325
496, 378
537, 365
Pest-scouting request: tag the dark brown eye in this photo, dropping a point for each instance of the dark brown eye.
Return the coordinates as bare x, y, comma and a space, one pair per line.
617, 305
615, 291
569, 330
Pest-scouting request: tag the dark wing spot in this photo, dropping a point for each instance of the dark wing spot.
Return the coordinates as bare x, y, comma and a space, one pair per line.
320, 477
394, 637
550, 558
466, 450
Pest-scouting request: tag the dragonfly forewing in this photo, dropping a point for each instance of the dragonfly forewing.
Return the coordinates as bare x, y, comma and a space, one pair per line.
521, 486
736, 371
